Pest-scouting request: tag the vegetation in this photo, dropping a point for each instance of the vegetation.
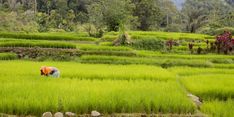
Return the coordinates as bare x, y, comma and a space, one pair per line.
117, 56
38, 44
8, 56
160, 62
103, 48
220, 86
48, 36
138, 35
107, 96
96, 17
218, 108
149, 44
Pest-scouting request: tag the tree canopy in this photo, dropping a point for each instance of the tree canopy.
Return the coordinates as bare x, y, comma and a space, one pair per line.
196, 16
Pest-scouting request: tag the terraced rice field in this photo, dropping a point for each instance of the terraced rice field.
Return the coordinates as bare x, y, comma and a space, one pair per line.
113, 79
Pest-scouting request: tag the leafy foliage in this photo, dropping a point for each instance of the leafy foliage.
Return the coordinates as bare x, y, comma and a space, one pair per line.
224, 42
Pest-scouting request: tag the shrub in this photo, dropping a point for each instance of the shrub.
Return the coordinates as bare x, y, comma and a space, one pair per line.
224, 42
149, 44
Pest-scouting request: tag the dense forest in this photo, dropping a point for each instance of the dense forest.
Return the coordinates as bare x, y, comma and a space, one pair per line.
98, 16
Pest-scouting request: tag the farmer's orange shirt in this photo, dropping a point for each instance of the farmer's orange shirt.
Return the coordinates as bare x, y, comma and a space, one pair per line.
47, 70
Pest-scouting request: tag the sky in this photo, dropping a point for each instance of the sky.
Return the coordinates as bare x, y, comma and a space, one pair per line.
178, 3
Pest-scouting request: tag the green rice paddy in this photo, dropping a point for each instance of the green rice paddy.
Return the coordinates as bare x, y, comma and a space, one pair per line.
113, 79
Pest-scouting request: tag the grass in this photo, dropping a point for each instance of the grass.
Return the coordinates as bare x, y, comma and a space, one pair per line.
210, 87
110, 53
147, 61
74, 70
48, 36
115, 79
183, 56
41, 44
191, 71
83, 96
82, 88
103, 48
138, 35
8, 56
219, 108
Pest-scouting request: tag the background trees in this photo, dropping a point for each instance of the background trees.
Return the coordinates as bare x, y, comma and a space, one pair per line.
111, 13
196, 16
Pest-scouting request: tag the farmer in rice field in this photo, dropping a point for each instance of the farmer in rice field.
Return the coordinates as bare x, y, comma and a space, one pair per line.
50, 71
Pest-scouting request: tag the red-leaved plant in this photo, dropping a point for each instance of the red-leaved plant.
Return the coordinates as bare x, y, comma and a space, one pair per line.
224, 42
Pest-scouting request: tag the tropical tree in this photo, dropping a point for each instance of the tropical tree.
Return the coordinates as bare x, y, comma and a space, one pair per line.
148, 13
111, 13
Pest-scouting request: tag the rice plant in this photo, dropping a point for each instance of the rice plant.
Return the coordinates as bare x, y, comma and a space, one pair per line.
147, 61
48, 36
8, 56
86, 87
138, 35
210, 87
41, 44
102, 48
219, 108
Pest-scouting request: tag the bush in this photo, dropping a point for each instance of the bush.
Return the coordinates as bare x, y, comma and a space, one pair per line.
149, 44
